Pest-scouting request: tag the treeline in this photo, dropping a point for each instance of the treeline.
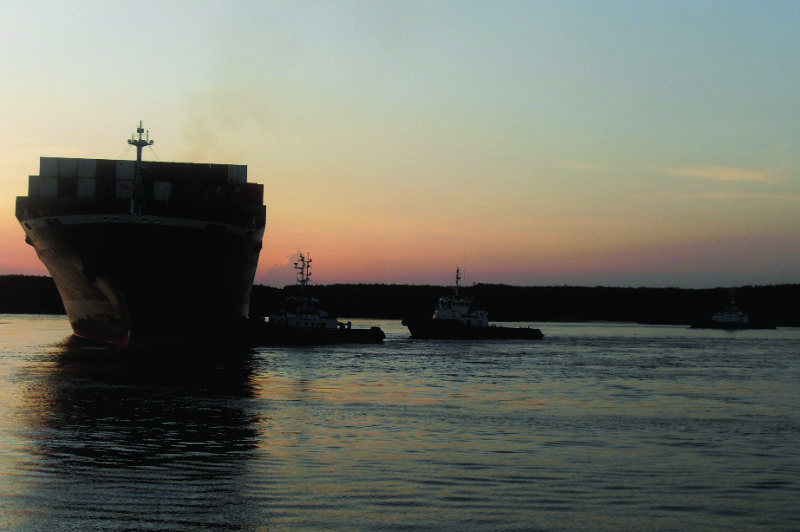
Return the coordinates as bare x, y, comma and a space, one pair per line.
773, 303
21, 294
29, 294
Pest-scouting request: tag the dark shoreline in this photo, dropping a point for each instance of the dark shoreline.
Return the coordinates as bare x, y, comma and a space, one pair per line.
26, 294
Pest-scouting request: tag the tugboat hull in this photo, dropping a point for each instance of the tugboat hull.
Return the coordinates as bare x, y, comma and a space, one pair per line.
438, 328
276, 335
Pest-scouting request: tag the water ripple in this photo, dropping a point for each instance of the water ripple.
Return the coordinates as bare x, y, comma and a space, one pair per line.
598, 427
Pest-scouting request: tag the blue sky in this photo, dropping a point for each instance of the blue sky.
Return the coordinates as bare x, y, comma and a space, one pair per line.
606, 142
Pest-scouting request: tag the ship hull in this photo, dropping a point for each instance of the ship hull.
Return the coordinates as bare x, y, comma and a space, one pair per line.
437, 328
134, 281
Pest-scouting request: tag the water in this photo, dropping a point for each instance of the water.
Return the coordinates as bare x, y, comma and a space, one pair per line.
603, 427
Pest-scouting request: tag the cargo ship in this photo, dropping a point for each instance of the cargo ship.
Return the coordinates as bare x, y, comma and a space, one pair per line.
146, 253
456, 318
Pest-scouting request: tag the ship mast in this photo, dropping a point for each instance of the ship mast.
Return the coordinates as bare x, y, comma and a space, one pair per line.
303, 267
140, 142
138, 192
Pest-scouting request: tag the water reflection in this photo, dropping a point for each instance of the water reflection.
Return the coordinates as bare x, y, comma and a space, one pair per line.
152, 441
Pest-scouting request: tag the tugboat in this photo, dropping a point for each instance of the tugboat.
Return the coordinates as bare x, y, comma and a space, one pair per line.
731, 318
455, 318
303, 321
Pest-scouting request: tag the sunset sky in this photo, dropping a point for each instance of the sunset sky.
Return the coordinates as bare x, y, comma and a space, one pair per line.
621, 143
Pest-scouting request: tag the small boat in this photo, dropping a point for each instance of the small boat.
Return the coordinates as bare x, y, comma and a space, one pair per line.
731, 317
456, 318
304, 321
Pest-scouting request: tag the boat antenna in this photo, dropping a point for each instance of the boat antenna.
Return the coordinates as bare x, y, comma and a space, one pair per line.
140, 142
303, 267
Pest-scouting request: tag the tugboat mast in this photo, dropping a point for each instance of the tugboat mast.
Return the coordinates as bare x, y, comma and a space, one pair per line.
303, 267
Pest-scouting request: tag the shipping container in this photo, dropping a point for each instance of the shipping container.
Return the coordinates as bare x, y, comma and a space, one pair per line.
87, 187
125, 170
106, 169
124, 188
42, 186
87, 168
67, 185
247, 194
162, 190
48, 166
237, 173
106, 188
186, 192
67, 167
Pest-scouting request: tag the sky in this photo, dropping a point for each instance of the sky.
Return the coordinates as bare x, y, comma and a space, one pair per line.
616, 143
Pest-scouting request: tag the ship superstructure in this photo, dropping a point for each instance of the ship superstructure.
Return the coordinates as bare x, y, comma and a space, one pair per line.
458, 307
146, 252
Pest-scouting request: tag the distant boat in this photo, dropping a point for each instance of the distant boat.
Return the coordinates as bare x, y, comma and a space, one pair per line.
456, 318
731, 317
304, 321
